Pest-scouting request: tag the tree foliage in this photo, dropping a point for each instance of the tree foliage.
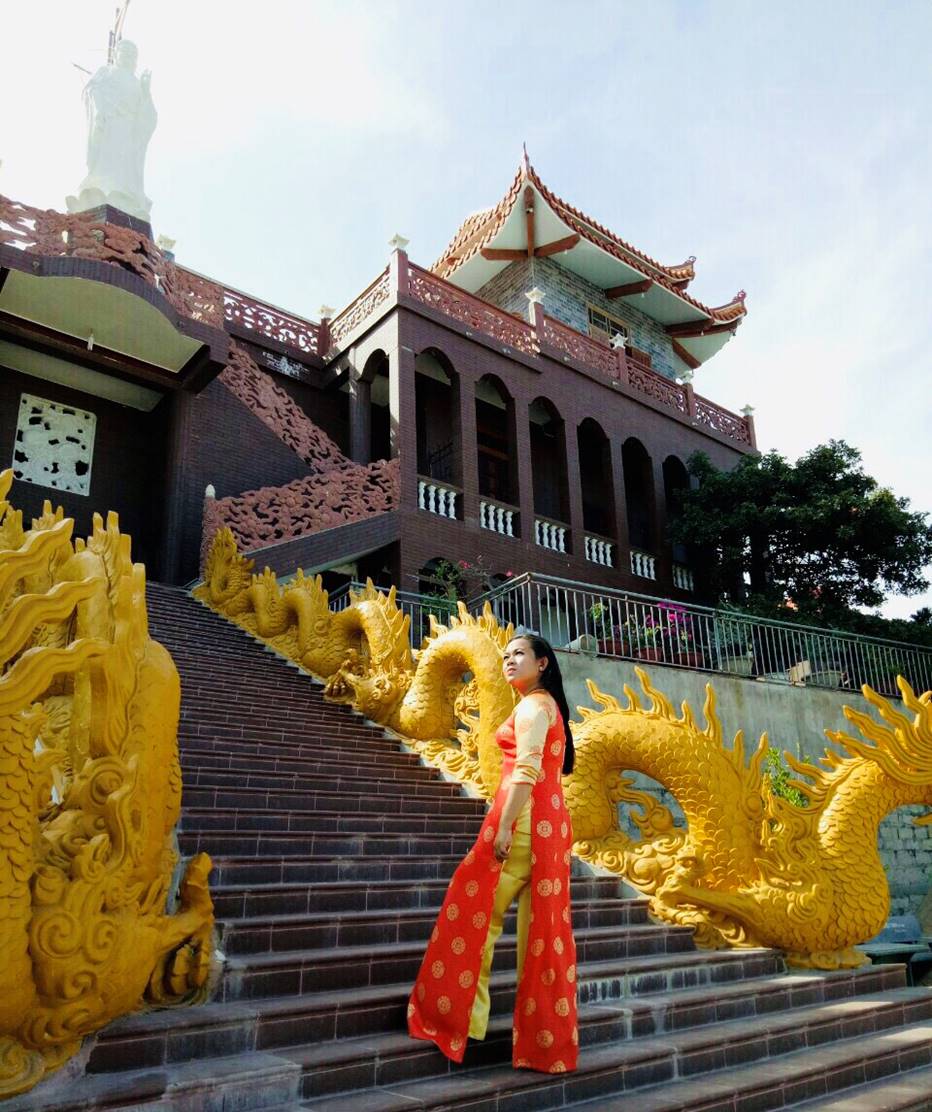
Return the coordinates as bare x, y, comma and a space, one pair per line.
819, 533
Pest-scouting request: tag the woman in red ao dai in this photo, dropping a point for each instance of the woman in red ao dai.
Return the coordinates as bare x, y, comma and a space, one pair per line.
523, 851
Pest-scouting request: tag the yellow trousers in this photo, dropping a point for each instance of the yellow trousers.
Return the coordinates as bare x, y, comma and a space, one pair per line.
513, 881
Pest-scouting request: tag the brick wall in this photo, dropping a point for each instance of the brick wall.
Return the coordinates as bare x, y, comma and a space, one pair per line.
216, 439
566, 298
576, 396
126, 474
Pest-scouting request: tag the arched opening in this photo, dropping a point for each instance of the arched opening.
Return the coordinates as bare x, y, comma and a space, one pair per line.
496, 441
595, 478
440, 577
639, 494
675, 484
548, 461
374, 378
436, 403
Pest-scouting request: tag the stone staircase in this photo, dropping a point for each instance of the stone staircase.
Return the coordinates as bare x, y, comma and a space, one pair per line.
332, 849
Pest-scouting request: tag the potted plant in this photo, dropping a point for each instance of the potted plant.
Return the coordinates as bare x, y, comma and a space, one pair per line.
647, 638
610, 637
681, 637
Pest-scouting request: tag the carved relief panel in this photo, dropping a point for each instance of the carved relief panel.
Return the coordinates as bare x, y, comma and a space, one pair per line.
54, 445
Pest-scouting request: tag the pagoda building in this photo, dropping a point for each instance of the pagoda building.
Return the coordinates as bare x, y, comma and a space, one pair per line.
525, 404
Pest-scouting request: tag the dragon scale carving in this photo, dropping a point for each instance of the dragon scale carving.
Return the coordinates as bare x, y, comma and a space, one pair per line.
747, 869
89, 798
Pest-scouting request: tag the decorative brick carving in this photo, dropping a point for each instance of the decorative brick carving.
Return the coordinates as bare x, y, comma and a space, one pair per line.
276, 409
274, 514
721, 420
81, 236
265, 321
485, 318
580, 348
656, 386
337, 491
357, 311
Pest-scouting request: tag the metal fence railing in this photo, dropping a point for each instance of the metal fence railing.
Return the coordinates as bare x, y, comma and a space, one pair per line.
579, 617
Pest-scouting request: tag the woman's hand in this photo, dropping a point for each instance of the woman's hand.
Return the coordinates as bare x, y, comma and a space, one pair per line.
502, 845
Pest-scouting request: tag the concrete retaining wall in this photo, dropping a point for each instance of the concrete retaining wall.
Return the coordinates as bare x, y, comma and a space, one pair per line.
794, 718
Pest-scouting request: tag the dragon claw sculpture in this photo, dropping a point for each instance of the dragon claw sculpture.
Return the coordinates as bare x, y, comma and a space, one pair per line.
90, 793
746, 868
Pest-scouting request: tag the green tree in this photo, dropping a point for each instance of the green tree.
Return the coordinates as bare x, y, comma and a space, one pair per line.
820, 532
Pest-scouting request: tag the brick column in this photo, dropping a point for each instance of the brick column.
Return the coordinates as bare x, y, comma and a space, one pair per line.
574, 488
661, 545
403, 420
523, 465
622, 557
178, 497
360, 418
465, 445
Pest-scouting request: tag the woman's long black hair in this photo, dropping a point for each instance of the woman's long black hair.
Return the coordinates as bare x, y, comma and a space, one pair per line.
552, 681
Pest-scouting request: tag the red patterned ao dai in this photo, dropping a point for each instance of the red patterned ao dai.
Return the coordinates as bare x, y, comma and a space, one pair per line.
545, 1034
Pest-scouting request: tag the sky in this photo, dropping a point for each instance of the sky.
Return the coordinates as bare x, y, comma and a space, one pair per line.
786, 145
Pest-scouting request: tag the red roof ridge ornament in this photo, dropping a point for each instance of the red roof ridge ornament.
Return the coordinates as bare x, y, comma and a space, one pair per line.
491, 237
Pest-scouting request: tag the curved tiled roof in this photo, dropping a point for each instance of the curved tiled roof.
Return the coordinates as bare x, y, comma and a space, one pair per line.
478, 231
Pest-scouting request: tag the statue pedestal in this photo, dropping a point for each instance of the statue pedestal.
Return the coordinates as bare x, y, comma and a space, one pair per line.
108, 214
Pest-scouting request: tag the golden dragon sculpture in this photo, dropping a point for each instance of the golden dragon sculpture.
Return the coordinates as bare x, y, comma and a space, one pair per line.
748, 868
90, 793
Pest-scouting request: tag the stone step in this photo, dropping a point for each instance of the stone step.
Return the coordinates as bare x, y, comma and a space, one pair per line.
321, 844
330, 793
224, 1028
258, 934
298, 869
622, 1078
215, 770
279, 755
410, 816
371, 1072
272, 744
898, 1092
363, 1038
392, 764
785, 1081
636, 952
392, 1059
268, 901
300, 725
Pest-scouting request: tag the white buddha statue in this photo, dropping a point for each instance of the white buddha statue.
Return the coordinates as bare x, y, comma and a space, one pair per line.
121, 119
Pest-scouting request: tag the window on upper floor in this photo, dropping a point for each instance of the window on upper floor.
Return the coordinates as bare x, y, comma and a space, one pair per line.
603, 326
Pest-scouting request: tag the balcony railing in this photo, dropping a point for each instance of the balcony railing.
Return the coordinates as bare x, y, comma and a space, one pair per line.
498, 518
472, 311
550, 534
256, 320
683, 578
640, 627
600, 551
643, 564
82, 235
437, 498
